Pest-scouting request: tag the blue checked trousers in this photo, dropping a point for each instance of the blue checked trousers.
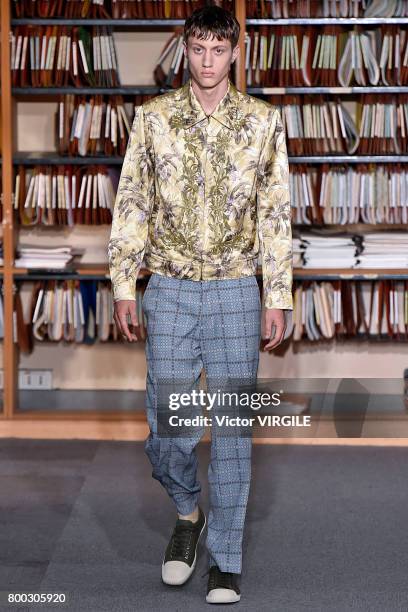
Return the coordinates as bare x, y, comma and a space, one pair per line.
215, 325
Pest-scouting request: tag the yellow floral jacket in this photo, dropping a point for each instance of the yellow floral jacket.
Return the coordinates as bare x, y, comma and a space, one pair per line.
201, 197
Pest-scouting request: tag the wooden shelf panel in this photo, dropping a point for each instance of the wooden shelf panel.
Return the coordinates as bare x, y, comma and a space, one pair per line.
179, 22
123, 23
123, 90
155, 89
328, 21
124, 421
327, 90
53, 159
102, 271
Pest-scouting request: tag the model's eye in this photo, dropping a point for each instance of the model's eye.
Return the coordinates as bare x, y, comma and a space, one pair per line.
220, 51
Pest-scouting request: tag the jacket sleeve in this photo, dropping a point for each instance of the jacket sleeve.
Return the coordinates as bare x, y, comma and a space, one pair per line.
274, 217
131, 212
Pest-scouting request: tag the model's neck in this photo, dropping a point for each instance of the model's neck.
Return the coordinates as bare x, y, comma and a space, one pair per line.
209, 97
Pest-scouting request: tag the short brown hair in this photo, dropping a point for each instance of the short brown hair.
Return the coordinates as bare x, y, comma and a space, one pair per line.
212, 20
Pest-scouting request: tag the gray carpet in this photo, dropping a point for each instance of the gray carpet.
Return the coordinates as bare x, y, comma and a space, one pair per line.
326, 529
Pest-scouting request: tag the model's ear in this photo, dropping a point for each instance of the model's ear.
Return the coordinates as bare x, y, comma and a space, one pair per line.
235, 54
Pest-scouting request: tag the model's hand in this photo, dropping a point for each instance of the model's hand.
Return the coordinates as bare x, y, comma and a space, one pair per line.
273, 317
123, 308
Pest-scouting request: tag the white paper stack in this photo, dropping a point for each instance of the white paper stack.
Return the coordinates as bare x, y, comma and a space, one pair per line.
384, 250
297, 252
328, 251
56, 258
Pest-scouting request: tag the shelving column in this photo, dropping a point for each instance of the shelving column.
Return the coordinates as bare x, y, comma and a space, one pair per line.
240, 75
9, 349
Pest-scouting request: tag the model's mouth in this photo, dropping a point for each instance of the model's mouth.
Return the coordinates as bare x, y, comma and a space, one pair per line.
207, 73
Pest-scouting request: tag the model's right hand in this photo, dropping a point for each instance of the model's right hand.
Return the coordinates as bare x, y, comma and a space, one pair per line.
123, 308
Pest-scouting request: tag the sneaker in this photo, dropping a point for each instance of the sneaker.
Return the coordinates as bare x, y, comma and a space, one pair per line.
222, 587
181, 553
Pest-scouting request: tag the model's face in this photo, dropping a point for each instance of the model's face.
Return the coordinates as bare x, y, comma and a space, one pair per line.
209, 61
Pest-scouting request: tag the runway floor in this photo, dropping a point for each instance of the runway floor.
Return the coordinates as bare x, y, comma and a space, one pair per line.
326, 529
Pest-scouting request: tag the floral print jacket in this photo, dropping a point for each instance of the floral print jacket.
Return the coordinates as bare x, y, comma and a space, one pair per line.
201, 196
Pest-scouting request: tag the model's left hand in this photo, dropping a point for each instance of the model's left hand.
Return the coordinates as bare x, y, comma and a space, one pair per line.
274, 317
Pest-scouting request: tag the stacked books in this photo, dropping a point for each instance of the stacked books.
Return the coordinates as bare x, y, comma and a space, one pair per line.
355, 193
71, 310
315, 125
365, 309
117, 9
328, 56
92, 125
65, 195
49, 56
284, 9
173, 55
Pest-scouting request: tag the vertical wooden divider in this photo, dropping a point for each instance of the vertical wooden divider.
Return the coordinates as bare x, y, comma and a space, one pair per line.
9, 348
240, 76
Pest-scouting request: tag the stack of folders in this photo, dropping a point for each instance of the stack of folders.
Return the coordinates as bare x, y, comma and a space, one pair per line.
327, 8
297, 251
329, 56
118, 9
329, 251
353, 193
364, 309
368, 309
65, 195
340, 309
388, 250
60, 8
82, 312
49, 56
382, 250
46, 258
93, 125
173, 56
317, 126
79, 311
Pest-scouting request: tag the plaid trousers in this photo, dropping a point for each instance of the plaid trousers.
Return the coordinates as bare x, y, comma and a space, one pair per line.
215, 325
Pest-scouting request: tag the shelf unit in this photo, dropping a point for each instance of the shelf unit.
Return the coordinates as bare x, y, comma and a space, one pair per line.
9, 158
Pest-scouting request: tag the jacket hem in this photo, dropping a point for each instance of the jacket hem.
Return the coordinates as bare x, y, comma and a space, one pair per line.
193, 269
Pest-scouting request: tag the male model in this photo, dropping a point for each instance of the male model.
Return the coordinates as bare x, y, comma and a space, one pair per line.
203, 190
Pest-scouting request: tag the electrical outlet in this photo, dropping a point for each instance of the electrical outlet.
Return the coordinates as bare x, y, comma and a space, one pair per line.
35, 379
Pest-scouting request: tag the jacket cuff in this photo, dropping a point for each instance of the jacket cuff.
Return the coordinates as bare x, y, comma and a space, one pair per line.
283, 301
123, 291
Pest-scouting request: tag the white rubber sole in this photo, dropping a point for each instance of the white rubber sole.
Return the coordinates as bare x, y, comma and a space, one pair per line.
219, 596
192, 568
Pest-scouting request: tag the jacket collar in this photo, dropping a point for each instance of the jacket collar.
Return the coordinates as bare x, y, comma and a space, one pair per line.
228, 110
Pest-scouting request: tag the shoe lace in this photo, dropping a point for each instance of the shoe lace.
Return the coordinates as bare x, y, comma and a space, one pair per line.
181, 541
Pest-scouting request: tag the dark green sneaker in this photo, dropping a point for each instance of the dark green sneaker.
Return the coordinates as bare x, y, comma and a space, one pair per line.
222, 587
181, 552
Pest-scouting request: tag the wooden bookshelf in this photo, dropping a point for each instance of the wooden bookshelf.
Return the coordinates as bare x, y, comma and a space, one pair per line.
11, 273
